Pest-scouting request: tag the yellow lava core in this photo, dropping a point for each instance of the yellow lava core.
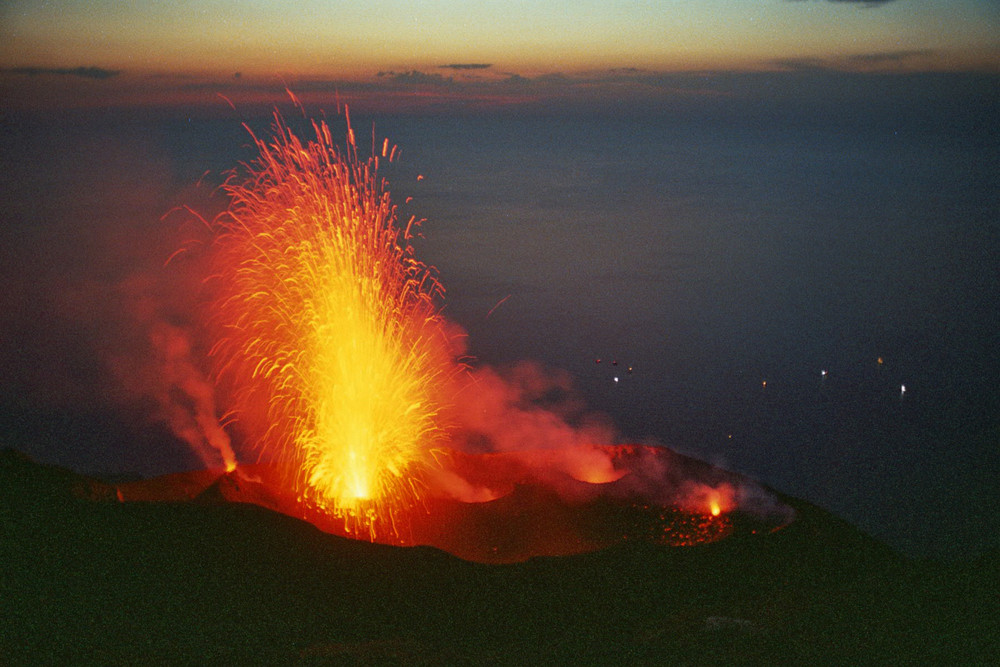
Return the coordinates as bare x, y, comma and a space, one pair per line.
714, 508
330, 335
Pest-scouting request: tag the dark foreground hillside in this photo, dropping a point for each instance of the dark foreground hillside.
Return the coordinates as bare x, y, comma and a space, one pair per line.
86, 579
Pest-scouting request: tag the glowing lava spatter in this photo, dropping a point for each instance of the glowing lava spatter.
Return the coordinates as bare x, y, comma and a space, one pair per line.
330, 335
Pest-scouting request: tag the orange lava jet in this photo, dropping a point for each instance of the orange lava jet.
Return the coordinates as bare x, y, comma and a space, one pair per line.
335, 359
330, 340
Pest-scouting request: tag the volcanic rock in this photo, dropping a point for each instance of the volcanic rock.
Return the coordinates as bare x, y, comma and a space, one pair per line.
239, 487
25, 479
233, 583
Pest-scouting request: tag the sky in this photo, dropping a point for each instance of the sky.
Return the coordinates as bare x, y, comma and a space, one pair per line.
163, 51
835, 112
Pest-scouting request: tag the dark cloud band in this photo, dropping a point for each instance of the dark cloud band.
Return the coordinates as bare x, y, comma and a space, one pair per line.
467, 66
868, 3
83, 72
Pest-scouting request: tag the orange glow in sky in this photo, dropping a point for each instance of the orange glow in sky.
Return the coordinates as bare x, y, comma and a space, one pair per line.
353, 39
354, 42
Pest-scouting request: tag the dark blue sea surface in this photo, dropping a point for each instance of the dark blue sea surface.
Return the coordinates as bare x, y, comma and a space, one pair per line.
772, 286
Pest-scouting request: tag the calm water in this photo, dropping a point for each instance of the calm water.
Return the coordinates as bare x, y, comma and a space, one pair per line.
712, 257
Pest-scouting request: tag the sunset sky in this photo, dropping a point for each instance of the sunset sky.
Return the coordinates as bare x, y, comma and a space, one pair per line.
737, 196
149, 45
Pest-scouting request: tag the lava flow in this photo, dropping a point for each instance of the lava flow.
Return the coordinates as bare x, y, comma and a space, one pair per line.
330, 337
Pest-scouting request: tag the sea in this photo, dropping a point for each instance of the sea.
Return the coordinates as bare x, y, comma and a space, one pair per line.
810, 301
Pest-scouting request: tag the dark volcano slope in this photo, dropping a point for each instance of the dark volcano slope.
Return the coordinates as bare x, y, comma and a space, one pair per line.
86, 579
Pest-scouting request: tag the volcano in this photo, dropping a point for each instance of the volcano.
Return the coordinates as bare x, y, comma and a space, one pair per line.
96, 572
506, 507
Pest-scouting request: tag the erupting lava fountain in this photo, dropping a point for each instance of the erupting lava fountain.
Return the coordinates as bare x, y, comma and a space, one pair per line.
334, 356
330, 337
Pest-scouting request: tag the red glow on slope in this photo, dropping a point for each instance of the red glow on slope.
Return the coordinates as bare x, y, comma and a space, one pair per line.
495, 508
334, 356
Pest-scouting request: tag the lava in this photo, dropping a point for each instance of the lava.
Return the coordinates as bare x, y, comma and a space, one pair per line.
342, 373
329, 331
506, 507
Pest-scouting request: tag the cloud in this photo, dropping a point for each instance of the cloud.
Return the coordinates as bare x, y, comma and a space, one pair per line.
856, 62
626, 70
416, 77
517, 79
803, 64
606, 89
463, 66
867, 3
889, 57
82, 72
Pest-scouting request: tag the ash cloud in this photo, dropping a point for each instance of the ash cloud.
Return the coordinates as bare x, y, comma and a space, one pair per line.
526, 406
533, 415
94, 324
169, 372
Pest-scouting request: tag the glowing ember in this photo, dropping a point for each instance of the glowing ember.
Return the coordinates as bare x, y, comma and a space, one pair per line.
507, 507
676, 528
330, 335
